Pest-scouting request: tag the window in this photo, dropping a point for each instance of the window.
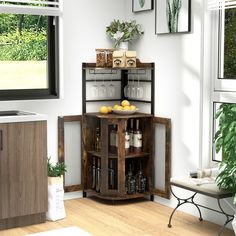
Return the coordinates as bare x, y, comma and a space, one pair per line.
224, 89
29, 53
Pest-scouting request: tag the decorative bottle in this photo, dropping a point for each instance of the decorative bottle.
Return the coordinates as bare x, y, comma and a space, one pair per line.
140, 181
130, 182
131, 135
113, 136
111, 175
127, 140
94, 173
97, 140
98, 176
137, 138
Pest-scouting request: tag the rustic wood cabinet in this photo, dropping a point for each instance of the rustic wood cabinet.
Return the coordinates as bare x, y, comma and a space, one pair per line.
121, 161
23, 173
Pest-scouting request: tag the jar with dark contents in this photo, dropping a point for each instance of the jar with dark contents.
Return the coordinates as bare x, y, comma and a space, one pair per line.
100, 58
109, 57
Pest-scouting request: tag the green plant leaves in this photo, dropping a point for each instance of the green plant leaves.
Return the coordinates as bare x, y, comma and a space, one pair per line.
56, 170
141, 3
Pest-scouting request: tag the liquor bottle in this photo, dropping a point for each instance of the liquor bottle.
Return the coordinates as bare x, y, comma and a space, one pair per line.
130, 182
113, 136
131, 135
98, 176
111, 175
140, 181
137, 138
97, 140
127, 140
94, 173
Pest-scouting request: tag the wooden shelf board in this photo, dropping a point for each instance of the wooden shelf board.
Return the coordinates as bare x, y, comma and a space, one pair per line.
117, 197
116, 116
137, 155
94, 153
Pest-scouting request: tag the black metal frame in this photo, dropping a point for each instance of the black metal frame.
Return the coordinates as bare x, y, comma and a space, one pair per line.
124, 80
52, 91
190, 200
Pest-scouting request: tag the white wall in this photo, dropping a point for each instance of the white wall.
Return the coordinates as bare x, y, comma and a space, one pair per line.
84, 24
179, 88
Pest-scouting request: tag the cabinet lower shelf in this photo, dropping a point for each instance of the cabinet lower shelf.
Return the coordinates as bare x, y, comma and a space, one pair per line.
91, 192
111, 155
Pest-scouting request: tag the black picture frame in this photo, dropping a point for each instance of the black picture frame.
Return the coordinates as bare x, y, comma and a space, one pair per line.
164, 26
142, 5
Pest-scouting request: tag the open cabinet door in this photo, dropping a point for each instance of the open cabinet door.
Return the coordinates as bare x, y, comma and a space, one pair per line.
70, 150
161, 156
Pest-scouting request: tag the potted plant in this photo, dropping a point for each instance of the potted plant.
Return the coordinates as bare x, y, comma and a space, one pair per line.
123, 31
225, 141
56, 209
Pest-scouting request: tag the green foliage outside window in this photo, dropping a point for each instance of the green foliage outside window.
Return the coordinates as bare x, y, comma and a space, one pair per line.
22, 37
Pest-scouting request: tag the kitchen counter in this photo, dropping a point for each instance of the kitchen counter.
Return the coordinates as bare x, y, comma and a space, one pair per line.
10, 116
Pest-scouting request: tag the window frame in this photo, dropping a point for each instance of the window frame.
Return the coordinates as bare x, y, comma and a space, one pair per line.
52, 92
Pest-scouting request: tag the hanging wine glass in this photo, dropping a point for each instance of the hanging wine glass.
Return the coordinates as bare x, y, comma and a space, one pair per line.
133, 90
139, 90
95, 89
102, 91
111, 89
126, 88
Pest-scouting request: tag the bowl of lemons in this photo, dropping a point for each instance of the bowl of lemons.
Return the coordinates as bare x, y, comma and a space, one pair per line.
125, 108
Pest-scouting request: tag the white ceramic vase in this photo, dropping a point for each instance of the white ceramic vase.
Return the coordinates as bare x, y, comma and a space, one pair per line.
124, 46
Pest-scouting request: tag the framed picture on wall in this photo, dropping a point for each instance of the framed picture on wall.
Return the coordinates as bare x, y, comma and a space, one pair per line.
172, 16
142, 5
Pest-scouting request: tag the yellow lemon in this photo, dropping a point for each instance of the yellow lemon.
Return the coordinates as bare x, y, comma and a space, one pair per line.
119, 108
104, 109
115, 107
109, 109
132, 107
125, 103
126, 108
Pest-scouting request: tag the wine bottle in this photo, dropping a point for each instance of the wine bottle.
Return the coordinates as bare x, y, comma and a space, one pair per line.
94, 173
111, 175
140, 181
130, 182
131, 135
113, 136
97, 140
127, 140
137, 138
98, 176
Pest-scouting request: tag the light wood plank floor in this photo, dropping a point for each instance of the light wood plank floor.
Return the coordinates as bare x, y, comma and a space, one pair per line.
141, 218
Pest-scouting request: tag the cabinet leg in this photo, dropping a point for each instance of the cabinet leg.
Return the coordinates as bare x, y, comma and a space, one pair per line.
152, 197
84, 194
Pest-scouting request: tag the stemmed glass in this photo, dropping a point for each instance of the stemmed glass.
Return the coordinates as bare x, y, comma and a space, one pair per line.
133, 90
95, 89
127, 89
111, 89
102, 91
139, 90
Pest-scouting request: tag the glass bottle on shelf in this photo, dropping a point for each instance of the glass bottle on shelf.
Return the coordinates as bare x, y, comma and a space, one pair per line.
111, 182
97, 140
131, 135
98, 176
140, 181
137, 138
127, 140
113, 136
130, 182
94, 173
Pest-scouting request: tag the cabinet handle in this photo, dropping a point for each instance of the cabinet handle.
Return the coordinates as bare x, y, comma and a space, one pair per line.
1, 141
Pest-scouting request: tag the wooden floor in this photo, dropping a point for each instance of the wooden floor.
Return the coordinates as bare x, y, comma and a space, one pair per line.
141, 218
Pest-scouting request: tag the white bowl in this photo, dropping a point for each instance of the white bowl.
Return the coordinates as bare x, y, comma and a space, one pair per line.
124, 112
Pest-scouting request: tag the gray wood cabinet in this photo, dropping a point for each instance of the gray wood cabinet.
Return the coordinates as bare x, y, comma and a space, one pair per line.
23, 173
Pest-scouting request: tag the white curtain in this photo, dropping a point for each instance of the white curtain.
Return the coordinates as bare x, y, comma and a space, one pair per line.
221, 4
32, 7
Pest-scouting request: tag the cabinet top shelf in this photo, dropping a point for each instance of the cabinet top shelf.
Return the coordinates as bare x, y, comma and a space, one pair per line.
149, 65
116, 116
